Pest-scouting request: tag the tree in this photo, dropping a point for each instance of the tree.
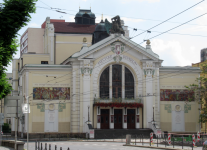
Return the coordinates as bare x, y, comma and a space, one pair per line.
14, 14
201, 93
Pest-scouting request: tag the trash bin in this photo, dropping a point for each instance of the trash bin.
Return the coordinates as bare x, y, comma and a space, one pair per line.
128, 139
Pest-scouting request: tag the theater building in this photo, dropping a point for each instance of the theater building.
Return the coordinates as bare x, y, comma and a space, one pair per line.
80, 73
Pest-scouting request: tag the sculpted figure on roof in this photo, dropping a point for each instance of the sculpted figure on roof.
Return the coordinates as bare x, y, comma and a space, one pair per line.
116, 25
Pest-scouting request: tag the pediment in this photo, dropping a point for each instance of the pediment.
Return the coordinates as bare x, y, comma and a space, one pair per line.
117, 46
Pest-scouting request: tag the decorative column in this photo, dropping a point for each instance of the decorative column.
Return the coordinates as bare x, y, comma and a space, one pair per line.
149, 70
137, 118
86, 71
124, 118
98, 118
110, 81
111, 118
123, 81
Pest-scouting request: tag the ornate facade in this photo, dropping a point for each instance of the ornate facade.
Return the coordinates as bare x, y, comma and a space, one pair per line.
111, 84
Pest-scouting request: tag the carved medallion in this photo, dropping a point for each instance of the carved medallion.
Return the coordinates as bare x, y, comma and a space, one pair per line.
51, 106
177, 108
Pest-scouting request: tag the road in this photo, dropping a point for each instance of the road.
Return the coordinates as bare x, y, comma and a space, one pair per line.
90, 146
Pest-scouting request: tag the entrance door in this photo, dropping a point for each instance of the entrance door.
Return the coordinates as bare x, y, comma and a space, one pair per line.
117, 118
130, 118
104, 118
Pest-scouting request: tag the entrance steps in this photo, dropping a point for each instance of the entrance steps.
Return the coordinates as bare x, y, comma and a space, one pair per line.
121, 133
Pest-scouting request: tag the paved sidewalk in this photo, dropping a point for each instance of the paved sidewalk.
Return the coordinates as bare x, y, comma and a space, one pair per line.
146, 145
5, 148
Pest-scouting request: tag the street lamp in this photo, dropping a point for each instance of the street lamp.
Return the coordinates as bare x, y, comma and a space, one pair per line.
88, 112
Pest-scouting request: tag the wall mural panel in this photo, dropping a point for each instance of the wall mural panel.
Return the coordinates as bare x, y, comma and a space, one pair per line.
176, 95
53, 93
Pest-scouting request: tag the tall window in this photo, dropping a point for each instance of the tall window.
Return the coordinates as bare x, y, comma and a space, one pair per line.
117, 81
129, 84
104, 84
117, 74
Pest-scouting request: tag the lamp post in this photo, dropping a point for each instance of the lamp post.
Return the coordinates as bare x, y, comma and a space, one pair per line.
88, 113
153, 113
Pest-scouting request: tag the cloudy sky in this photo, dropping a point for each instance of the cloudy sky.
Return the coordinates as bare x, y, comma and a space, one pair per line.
179, 47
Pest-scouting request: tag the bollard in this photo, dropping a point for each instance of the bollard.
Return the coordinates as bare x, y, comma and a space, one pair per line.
36, 145
49, 146
193, 136
151, 138
198, 136
45, 146
68, 148
182, 142
41, 146
169, 139
60, 148
128, 139
173, 140
55, 147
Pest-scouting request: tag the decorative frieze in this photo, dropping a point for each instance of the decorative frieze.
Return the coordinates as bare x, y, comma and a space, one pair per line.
168, 108
41, 106
187, 107
61, 106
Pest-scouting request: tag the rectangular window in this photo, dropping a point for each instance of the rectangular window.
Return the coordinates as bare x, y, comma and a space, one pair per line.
44, 62
176, 95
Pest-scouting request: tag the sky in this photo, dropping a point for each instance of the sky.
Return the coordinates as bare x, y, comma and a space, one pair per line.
178, 47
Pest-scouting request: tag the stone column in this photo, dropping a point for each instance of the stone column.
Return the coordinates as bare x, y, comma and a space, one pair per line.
110, 81
123, 81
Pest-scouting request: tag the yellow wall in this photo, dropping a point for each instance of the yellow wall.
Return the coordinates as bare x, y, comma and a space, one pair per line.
36, 116
34, 58
67, 45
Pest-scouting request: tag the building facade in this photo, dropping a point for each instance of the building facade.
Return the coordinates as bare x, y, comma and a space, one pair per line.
82, 74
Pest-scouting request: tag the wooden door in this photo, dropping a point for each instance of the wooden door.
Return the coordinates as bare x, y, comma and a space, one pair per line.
131, 119
117, 118
104, 118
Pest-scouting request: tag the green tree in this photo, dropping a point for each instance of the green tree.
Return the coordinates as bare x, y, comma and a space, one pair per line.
14, 14
200, 91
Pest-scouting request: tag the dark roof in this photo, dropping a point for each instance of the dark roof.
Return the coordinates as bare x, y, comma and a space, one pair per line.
100, 27
71, 27
85, 11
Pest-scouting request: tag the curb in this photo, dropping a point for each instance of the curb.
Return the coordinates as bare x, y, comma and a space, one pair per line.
152, 147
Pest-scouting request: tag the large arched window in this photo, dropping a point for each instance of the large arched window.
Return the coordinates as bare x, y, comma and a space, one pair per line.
129, 84
117, 80
104, 84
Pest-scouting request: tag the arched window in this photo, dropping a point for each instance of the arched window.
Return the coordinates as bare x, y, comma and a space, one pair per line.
129, 84
104, 84
117, 80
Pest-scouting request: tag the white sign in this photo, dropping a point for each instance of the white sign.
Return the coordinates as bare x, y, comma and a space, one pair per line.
25, 108
51, 116
91, 134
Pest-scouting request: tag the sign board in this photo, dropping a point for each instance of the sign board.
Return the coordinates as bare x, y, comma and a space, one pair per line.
10, 103
91, 134
25, 108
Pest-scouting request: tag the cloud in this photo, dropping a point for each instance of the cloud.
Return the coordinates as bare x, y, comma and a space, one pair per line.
174, 53
150, 1
35, 25
126, 20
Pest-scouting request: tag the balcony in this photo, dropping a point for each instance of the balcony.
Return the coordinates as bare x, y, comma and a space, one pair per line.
118, 102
